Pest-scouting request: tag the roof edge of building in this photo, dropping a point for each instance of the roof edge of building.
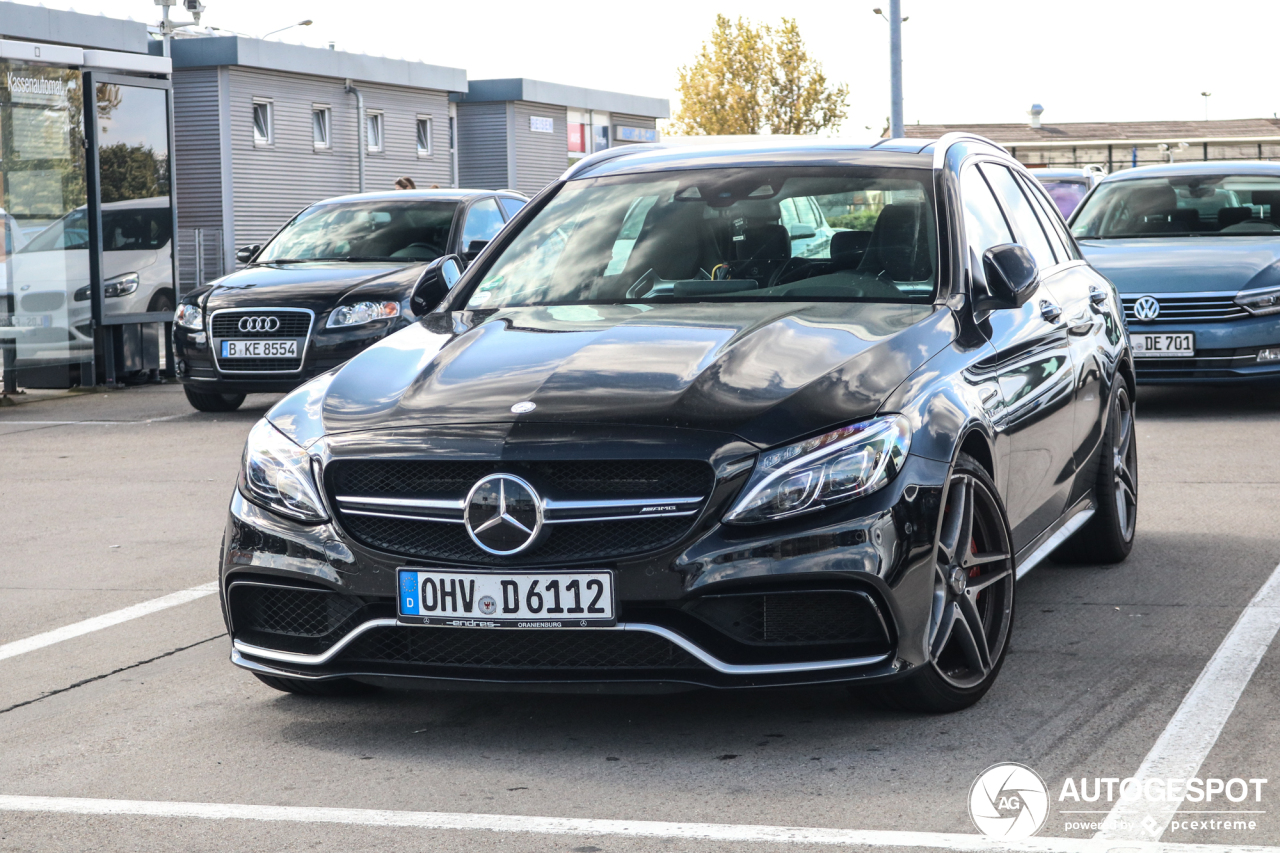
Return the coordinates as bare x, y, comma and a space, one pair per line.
216, 51
562, 95
54, 26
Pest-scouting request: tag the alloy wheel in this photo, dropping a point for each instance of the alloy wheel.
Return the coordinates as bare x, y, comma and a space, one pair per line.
1124, 462
973, 585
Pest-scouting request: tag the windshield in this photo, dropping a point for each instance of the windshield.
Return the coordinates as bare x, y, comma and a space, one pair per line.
783, 234
131, 229
407, 231
1066, 194
1227, 205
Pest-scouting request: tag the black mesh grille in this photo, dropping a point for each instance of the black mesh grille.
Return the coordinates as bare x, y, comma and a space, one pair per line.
793, 618
589, 541
565, 479
516, 649
292, 619
293, 324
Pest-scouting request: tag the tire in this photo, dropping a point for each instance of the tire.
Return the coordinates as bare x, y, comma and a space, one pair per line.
162, 300
973, 599
209, 402
327, 687
1108, 536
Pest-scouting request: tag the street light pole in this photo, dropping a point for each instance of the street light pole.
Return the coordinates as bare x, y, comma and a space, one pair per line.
895, 68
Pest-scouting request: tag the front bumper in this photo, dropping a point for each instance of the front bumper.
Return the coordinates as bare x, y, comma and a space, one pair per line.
1226, 351
876, 551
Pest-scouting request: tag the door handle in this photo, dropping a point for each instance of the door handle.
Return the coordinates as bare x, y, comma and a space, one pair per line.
1097, 296
1049, 311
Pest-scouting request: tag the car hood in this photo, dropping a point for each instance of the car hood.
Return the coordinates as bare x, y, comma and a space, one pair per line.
305, 285
766, 372
1182, 264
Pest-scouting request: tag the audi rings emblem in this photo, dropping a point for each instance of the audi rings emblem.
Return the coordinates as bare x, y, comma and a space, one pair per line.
1146, 308
259, 324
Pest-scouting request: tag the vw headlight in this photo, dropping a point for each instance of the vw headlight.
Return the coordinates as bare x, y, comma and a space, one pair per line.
1265, 300
844, 464
277, 474
362, 312
189, 317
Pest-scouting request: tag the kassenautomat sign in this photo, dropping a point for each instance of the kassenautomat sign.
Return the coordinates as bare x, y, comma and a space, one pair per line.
41, 91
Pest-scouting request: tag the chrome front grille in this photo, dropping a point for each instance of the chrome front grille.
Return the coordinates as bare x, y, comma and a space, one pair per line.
1187, 307
591, 509
271, 324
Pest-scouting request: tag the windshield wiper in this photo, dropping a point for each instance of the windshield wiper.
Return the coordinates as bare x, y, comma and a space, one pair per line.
325, 260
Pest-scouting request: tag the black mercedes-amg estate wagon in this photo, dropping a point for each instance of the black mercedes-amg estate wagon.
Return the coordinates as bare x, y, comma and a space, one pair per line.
645, 442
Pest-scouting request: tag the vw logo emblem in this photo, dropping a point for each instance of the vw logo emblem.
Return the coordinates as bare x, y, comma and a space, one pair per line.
259, 324
503, 515
1146, 308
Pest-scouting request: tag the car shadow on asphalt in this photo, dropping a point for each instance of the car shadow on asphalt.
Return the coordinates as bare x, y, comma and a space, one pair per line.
1196, 401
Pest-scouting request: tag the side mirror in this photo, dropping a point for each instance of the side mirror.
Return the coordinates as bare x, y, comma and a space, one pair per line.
802, 232
245, 254
435, 283
474, 248
1012, 277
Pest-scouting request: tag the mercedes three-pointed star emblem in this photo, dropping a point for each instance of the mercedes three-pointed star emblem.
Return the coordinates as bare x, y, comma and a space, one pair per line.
503, 514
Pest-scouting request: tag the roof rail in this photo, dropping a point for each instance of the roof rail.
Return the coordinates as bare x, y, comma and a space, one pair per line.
599, 157
948, 139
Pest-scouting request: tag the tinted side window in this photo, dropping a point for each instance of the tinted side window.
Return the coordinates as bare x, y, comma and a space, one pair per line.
1053, 222
484, 221
984, 224
1019, 209
511, 206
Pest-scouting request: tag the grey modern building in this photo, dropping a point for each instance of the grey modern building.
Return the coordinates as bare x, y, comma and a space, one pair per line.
522, 134
264, 129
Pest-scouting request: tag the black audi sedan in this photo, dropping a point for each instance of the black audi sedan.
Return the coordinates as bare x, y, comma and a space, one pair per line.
642, 444
332, 281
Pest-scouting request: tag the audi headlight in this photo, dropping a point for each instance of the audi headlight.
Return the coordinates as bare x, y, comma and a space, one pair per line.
844, 464
362, 312
277, 474
189, 317
1265, 300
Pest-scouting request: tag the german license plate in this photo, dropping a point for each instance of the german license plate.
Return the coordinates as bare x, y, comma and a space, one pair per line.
462, 599
1163, 344
259, 349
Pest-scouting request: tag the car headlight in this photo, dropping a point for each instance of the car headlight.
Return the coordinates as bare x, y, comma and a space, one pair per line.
844, 464
189, 317
362, 312
277, 474
1265, 300
121, 285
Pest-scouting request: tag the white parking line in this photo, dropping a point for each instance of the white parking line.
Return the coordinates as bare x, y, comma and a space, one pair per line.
582, 826
1186, 741
4, 421
106, 620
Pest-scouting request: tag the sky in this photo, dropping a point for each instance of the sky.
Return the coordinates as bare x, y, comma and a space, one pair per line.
963, 62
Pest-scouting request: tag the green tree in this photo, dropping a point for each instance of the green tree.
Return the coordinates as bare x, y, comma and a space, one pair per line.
751, 78
131, 171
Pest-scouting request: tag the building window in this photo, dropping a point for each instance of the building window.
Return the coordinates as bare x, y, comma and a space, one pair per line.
263, 129
373, 131
601, 137
321, 123
577, 138
424, 136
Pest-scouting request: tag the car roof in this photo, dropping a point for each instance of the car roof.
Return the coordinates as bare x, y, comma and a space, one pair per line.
446, 194
753, 151
1198, 167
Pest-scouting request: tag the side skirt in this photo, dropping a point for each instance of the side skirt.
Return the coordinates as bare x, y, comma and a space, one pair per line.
1046, 543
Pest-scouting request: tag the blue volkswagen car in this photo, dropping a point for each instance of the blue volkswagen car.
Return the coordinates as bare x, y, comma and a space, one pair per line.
1194, 249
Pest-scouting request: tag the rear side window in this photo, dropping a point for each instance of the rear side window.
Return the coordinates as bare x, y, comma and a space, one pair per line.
511, 206
1019, 209
1049, 218
984, 224
484, 221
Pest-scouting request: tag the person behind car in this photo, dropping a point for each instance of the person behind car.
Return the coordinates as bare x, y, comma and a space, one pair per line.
405, 183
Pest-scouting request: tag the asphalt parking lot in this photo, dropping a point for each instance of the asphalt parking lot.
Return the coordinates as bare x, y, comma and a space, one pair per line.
113, 500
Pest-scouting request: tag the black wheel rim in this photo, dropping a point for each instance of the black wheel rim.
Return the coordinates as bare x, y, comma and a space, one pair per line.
1124, 464
973, 585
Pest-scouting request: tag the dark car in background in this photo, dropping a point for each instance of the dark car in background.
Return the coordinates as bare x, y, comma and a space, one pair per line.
643, 444
332, 281
1194, 249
